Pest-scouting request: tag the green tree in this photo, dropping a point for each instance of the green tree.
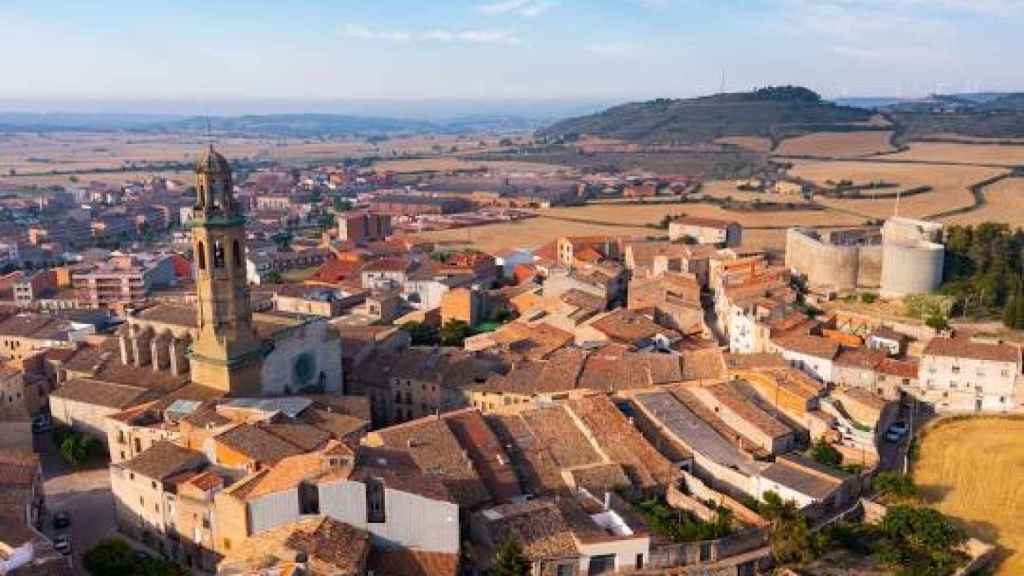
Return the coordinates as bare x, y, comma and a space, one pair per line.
114, 557
421, 334
894, 485
937, 322
455, 332
76, 448
788, 533
921, 542
510, 560
826, 454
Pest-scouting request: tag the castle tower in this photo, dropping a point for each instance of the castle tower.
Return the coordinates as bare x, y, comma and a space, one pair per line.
227, 353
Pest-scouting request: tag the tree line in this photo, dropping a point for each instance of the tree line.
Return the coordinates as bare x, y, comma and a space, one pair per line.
983, 271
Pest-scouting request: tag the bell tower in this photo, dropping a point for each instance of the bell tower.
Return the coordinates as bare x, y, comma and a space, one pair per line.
227, 353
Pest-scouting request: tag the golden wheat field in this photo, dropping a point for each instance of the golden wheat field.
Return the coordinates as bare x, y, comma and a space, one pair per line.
838, 144
963, 153
755, 143
950, 185
971, 470
1004, 203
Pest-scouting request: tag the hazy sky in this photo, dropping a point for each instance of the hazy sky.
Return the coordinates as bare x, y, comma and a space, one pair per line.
211, 50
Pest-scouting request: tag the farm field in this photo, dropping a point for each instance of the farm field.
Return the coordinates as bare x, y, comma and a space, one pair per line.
963, 153
1004, 203
970, 469
613, 219
949, 185
837, 144
727, 189
451, 163
755, 143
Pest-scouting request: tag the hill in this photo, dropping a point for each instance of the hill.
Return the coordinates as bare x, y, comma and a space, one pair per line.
775, 113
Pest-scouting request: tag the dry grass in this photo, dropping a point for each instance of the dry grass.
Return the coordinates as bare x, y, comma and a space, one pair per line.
727, 189
440, 164
626, 220
949, 185
1005, 203
755, 143
838, 144
971, 470
965, 153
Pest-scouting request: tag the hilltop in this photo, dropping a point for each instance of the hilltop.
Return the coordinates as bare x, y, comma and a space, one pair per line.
774, 112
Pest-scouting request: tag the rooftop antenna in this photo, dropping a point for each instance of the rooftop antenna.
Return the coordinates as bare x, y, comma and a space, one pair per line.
721, 89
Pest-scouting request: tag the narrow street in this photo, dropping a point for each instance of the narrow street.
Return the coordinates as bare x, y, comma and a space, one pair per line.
85, 494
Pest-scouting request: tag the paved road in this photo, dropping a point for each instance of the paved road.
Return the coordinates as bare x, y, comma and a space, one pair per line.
85, 494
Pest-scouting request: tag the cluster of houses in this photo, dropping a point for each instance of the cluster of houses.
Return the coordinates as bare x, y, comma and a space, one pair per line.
329, 426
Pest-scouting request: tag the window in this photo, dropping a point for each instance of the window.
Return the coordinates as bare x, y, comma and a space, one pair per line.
218, 254
565, 570
201, 255
236, 254
375, 504
639, 561
956, 369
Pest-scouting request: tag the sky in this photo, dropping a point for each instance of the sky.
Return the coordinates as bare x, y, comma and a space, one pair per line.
201, 55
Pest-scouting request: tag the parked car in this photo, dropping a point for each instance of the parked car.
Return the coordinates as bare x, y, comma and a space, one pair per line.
61, 520
62, 544
40, 424
900, 428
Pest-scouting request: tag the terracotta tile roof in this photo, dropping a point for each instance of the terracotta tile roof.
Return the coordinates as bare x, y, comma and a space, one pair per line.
405, 562
703, 222
206, 481
600, 478
622, 443
436, 450
331, 547
754, 361
335, 270
558, 433
888, 333
336, 424
626, 326
164, 459
538, 526
304, 436
487, 454
808, 345
863, 358
899, 368
105, 394
399, 471
173, 314
537, 470
286, 474
703, 364
257, 444
967, 348
745, 408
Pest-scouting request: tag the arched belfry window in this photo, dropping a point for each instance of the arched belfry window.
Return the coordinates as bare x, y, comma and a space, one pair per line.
218, 254
201, 255
237, 254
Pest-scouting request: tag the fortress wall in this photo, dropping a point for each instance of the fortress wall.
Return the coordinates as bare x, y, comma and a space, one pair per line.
911, 268
823, 264
869, 268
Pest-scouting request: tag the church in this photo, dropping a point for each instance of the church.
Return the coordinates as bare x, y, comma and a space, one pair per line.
220, 342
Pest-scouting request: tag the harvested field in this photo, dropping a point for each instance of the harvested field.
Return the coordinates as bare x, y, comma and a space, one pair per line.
755, 143
949, 185
970, 469
440, 164
727, 189
837, 144
618, 219
1004, 203
963, 153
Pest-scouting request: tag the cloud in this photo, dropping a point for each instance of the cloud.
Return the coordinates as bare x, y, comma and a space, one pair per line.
472, 36
528, 8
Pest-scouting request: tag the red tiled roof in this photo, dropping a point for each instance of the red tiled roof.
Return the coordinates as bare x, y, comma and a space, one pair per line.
966, 348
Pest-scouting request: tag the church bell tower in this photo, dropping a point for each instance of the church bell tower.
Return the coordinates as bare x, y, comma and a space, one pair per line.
227, 353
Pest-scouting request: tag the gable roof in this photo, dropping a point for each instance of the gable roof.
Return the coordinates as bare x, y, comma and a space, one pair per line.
163, 460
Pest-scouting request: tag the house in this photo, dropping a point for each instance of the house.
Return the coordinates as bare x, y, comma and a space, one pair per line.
671, 300
885, 338
362, 227
798, 478
571, 536
742, 414
858, 367
606, 281
315, 545
510, 258
814, 355
22, 498
626, 327
706, 231
969, 374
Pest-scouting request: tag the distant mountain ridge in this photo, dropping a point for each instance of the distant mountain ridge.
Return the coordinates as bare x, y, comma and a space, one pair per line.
273, 125
773, 112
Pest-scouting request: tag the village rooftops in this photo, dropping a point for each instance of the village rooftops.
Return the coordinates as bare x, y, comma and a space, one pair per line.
18, 467
630, 327
102, 393
327, 546
696, 434
973, 349
757, 361
805, 476
864, 358
163, 460
906, 368
745, 408
37, 326
808, 345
